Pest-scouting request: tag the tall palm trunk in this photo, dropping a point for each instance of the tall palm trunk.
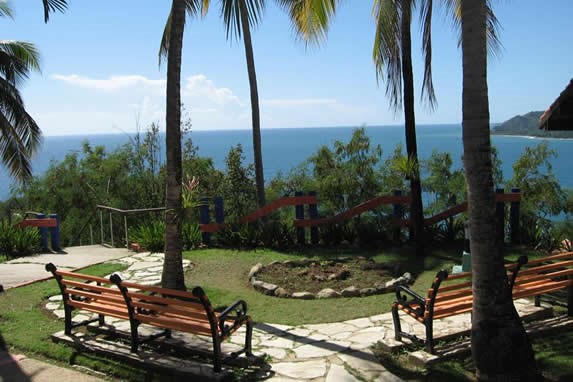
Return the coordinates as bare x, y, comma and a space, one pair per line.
416, 208
173, 265
255, 114
500, 346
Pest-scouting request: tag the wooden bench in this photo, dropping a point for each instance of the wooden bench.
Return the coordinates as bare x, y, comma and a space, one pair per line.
159, 307
89, 293
449, 295
545, 275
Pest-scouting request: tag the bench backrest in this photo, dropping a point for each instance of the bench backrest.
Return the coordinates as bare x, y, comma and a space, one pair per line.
545, 274
452, 294
169, 308
91, 293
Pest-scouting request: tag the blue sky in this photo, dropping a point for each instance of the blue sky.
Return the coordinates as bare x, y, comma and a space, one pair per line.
100, 69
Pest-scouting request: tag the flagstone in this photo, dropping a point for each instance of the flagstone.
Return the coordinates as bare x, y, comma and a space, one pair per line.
339, 374
301, 370
320, 349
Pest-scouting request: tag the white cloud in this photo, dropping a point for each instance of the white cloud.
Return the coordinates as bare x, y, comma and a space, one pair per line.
298, 102
110, 84
200, 86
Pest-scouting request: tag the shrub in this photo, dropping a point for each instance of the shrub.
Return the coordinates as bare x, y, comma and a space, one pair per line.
192, 237
18, 242
150, 236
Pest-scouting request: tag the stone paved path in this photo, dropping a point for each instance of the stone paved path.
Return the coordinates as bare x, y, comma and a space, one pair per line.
333, 352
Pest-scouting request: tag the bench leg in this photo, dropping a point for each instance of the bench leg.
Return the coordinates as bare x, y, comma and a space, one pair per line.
134, 335
249, 337
397, 326
101, 319
216, 353
429, 336
67, 320
537, 301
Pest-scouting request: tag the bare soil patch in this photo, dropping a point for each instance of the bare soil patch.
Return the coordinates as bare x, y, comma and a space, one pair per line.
336, 274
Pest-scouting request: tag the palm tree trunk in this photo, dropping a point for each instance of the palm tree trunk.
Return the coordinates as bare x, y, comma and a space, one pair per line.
255, 114
173, 265
500, 346
416, 208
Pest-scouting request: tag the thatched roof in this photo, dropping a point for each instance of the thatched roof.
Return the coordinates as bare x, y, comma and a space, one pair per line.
559, 116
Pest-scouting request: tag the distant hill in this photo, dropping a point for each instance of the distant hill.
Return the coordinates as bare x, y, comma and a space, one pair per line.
528, 125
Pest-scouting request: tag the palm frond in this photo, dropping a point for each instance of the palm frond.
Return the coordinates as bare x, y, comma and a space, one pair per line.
310, 18
454, 9
17, 60
386, 52
53, 6
426, 26
5, 9
193, 8
20, 134
231, 14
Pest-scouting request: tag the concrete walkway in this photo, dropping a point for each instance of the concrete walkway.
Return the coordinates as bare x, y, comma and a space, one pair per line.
31, 268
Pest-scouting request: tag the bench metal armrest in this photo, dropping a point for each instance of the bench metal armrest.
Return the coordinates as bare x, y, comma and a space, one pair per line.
236, 312
403, 299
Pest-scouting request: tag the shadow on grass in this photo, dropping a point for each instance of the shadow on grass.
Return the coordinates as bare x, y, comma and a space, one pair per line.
9, 368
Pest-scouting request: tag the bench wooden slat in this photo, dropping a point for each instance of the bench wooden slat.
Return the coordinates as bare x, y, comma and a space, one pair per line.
550, 258
544, 276
167, 309
161, 291
100, 297
174, 324
450, 295
545, 268
91, 287
83, 277
114, 311
171, 301
540, 289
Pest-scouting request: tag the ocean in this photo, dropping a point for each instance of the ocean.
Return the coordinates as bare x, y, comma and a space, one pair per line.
283, 149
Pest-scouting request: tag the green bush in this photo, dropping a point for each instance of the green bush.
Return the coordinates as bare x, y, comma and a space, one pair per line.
150, 236
192, 237
18, 242
237, 235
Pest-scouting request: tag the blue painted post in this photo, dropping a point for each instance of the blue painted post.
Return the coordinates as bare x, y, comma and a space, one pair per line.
500, 217
43, 234
299, 215
55, 233
398, 213
205, 219
514, 218
219, 210
313, 214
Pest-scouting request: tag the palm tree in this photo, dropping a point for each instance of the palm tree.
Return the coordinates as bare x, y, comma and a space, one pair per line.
172, 47
20, 136
500, 347
239, 16
392, 53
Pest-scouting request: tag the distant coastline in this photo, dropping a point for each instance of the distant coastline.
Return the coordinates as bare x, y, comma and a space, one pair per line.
527, 126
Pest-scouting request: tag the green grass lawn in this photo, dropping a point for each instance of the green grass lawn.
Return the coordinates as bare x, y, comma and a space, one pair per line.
223, 274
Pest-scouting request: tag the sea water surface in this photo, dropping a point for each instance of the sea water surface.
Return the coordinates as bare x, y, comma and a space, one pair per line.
285, 148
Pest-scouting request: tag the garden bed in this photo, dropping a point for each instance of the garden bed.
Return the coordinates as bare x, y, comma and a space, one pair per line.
331, 278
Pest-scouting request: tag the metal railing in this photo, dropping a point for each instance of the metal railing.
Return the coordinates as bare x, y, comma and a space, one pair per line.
124, 213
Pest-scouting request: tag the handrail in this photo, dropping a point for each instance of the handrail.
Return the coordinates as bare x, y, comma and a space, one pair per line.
135, 211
